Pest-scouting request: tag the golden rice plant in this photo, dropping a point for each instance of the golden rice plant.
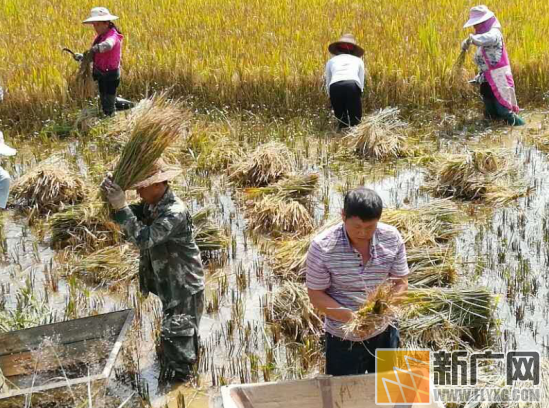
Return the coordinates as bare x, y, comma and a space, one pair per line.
483, 175
274, 215
213, 150
267, 164
380, 136
157, 127
48, 188
294, 187
209, 236
81, 85
432, 266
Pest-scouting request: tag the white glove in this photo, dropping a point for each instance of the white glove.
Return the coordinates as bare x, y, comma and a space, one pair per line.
114, 193
466, 44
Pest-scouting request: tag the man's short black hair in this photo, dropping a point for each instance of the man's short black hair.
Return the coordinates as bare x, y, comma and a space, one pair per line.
363, 203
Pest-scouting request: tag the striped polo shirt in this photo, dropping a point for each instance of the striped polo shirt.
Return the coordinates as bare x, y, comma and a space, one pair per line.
336, 267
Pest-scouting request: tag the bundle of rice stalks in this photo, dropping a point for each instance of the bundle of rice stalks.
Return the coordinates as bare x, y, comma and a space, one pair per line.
427, 225
49, 188
84, 227
432, 266
267, 164
480, 175
380, 136
274, 215
292, 310
81, 84
152, 131
109, 266
208, 236
437, 317
213, 152
431, 317
294, 187
290, 257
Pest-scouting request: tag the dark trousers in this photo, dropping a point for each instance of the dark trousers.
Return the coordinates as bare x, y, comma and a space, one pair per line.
344, 357
179, 338
107, 82
345, 97
495, 110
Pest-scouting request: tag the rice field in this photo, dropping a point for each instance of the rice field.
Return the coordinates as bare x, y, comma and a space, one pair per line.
263, 172
249, 53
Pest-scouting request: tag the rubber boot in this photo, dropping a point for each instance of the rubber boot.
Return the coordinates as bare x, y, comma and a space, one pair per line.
108, 104
509, 116
123, 104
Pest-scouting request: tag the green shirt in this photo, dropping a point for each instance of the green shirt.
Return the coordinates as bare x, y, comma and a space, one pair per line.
170, 265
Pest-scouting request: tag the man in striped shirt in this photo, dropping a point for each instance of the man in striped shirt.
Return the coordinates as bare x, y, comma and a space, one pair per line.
345, 264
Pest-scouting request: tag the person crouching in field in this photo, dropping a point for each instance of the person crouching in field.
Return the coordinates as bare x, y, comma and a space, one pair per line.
107, 52
345, 80
496, 79
347, 263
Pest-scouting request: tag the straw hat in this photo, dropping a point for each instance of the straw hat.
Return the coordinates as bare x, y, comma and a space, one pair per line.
159, 173
477, 15
5, 150
99, 14
346, 39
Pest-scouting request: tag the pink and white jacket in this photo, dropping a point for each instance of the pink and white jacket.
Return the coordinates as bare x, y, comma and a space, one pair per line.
108, 51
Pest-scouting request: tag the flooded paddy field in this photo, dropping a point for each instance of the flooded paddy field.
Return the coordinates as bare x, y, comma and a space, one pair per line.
501, 244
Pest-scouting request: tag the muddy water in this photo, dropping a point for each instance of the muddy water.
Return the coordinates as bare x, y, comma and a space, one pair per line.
510, 246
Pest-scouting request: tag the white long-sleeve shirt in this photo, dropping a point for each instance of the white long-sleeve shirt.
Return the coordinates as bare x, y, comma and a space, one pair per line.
5, 181
344, 67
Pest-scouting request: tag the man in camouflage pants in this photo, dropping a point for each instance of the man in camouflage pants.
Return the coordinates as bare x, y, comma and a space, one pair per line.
170, 265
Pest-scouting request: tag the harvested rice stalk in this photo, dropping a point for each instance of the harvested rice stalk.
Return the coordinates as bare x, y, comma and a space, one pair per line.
380, 136
82, 85
48, 188
293, 311
84, 227
110, 265
267, 164
432, 266
379, 307
208, 236
152, 132
426, 225
276, 216
213, 152
293, 187
480, 175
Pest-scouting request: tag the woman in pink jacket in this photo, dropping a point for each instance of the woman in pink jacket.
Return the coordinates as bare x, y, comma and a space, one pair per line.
107, 52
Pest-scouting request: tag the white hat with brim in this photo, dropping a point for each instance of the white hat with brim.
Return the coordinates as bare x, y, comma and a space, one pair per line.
5, 150
159, 173
99, 14
478, 15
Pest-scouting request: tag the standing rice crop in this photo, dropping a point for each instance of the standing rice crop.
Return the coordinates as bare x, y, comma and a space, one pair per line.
267, 164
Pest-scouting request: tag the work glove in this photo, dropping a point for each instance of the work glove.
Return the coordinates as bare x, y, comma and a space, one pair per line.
78, 57
466, 44
114, 193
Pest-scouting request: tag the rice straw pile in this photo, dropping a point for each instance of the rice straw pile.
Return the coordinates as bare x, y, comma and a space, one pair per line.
274, 215
49, 188
478, 175
267, 164
294, 187
213, 152
109, 266
207, 235
292, 310
84, 227
152, 131
380, 136
432, 266
432, 317
82, 85
425, 225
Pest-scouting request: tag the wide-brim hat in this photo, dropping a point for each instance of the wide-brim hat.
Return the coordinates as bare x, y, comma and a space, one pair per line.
358, 51
99, 14
5, 150
159, 173
478, 15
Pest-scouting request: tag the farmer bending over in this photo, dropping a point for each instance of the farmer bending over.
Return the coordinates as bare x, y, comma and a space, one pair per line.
345, 81
169, 266
497, 87
107, 52
5, 179
345, 264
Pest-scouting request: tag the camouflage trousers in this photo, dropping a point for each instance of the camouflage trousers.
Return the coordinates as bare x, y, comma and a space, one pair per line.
179, 338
